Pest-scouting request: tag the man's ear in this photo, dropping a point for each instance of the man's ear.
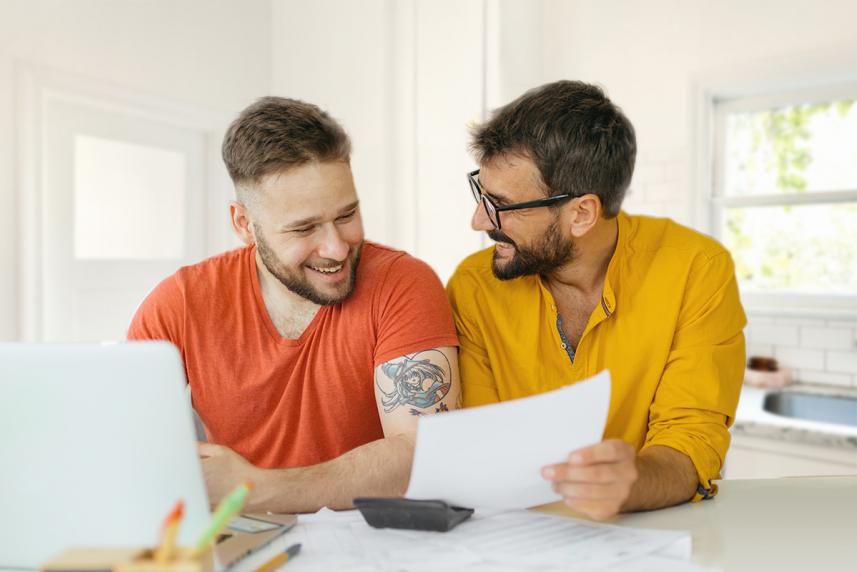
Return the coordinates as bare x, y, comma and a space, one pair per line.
241, 223
585, 214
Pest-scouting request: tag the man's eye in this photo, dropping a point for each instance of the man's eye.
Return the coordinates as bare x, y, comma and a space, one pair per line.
303, 231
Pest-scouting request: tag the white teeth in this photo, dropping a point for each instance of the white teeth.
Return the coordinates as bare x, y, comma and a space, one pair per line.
328, 270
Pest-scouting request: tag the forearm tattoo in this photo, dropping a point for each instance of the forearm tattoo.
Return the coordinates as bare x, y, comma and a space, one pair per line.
420, 380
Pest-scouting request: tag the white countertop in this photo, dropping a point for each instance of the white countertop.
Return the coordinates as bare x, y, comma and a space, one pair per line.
806, 524
801, 523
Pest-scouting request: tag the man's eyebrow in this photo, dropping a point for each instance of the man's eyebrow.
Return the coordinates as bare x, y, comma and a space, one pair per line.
314, 219
496, 198
302, 222
349, 207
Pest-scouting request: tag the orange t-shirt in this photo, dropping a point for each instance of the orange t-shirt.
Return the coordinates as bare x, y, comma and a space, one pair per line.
293, 402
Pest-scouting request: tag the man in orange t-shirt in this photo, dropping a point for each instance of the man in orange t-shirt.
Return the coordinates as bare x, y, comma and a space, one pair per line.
310, 353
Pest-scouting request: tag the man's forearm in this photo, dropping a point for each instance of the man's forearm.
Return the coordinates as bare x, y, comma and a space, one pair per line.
379, 468
666, 477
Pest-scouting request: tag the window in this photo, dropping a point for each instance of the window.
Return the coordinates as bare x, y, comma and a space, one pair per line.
129, 200
785, 196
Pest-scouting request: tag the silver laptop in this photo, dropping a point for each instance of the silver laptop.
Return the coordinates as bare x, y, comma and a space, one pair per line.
96, 446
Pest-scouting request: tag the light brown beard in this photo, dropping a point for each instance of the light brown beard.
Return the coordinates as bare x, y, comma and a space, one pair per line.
298, 283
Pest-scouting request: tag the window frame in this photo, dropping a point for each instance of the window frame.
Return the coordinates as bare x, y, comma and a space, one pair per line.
716, 202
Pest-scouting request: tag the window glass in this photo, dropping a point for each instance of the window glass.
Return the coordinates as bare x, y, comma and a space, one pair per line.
796, 248
128, 200
791, 149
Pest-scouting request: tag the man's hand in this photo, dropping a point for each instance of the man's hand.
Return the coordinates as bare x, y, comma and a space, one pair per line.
224, 469
596, 480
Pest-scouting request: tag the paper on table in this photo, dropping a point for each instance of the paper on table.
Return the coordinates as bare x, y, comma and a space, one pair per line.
507, 541
491, 456
343, 541
533, 539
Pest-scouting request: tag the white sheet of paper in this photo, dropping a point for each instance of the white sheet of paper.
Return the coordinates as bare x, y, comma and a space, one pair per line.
491, 456
497, 541
533, 539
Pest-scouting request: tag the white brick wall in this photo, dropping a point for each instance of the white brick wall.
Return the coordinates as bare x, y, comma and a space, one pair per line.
660, 186
800, 358
832, 338
844, 362
779, 335
817, 350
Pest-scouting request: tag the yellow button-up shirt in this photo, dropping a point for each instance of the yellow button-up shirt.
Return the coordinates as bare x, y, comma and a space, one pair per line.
669, 328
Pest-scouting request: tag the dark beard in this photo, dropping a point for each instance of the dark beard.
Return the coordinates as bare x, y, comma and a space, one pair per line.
548, 253
298, 283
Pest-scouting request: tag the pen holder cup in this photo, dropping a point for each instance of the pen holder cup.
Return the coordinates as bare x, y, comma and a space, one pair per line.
184, 561
128, 560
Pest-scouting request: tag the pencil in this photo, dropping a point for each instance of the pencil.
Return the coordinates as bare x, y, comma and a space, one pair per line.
170, 530
280, 559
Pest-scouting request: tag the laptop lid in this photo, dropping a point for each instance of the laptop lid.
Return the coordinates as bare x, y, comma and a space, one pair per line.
96, 446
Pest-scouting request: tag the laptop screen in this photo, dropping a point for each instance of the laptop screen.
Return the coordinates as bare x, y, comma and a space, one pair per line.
97, 445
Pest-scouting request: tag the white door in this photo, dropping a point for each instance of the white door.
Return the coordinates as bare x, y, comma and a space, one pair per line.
122, 207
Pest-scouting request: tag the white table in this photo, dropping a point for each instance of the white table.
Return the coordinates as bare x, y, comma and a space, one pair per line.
801, 523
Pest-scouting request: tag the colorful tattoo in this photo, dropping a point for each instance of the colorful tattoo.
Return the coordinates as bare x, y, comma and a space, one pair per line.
420, 380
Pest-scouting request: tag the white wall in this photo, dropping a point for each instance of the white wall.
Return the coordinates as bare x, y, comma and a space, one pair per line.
651, 56
211, 54
338, 56
406, 78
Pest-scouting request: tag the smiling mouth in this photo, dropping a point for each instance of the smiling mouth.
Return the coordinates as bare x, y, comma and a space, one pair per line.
328, 269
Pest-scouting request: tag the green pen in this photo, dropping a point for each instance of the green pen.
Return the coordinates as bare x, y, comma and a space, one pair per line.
226, 510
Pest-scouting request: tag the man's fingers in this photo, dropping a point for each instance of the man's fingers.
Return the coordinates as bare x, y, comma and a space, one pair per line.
597, 479
591, 491
610, 451
602, 473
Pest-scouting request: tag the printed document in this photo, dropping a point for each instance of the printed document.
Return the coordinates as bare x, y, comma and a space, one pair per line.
497, 541
492, 456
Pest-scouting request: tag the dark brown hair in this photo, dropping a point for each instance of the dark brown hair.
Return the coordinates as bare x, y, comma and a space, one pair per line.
579, 140
276, 133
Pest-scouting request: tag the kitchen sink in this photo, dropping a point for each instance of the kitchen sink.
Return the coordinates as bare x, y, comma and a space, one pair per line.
812, 407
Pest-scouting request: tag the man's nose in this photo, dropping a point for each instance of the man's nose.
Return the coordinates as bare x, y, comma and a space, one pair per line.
480, 220
331, 245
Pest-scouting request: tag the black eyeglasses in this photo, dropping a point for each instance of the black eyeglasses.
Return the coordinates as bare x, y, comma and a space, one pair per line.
493, 211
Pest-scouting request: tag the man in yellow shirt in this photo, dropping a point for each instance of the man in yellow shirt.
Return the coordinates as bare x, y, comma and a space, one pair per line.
573, 286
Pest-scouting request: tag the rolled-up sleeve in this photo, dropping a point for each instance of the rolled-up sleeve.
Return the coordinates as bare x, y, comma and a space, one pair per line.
698, 392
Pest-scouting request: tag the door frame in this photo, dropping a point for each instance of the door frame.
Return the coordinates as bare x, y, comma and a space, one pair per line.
37, 86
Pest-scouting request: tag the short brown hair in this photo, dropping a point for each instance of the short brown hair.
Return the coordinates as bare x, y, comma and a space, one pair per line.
277, 133
579, 140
